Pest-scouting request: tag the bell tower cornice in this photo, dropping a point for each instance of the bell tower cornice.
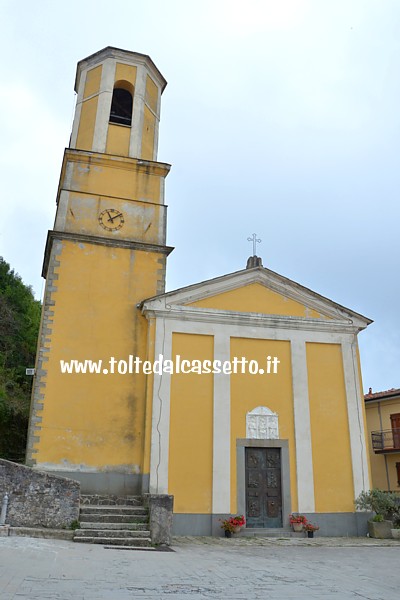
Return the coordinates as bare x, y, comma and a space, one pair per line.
122, 56
90, 160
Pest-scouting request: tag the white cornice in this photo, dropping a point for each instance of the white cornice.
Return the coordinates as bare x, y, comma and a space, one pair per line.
226, 317
124, 56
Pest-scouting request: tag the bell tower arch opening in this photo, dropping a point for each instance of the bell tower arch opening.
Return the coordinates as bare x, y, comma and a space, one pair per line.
122, 103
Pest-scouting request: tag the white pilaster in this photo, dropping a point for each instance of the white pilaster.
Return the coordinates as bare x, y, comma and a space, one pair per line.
356, 420
61, 214
156, 126
104, 105
159, 454
135, 145
302, 428
221, 493
78, 110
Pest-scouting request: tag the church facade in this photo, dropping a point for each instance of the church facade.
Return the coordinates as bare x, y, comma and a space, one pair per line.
238, 395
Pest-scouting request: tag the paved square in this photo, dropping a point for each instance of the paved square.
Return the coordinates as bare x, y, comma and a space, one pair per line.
36, 569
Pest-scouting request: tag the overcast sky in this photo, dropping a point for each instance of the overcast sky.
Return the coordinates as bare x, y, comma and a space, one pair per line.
280, 117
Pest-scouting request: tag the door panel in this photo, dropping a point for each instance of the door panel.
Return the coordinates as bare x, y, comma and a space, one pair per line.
263, 487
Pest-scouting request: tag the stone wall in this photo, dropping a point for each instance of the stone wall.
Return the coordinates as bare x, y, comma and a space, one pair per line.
37, 499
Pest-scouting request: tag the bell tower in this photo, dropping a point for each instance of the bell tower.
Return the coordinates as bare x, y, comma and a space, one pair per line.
106, 253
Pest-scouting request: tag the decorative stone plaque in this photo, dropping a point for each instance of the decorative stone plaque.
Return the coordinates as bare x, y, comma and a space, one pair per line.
262, 424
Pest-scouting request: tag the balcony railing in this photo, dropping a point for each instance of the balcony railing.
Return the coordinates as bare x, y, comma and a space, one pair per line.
387, 440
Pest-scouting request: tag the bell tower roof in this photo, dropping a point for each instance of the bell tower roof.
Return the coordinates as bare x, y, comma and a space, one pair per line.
135, 58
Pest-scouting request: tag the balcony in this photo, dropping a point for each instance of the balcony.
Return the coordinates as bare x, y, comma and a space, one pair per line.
386, 441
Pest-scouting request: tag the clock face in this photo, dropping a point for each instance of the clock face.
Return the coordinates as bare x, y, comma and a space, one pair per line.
111, 219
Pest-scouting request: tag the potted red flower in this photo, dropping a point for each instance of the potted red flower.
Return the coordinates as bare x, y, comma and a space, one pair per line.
298, 522
238, 522
310, 528
233, 524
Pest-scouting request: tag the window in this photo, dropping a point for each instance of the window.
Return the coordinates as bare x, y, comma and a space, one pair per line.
121, 106
398, 473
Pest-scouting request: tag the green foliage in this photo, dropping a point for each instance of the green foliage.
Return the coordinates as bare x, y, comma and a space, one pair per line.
75, 525
19, 326
380, 502
378, 518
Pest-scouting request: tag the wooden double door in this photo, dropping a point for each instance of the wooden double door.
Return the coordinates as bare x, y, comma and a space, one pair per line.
263, 487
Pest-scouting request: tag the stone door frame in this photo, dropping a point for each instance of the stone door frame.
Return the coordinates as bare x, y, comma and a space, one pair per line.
241, 444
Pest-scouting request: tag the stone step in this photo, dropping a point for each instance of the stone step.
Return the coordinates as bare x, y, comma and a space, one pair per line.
265, 532
142, 548
113, 510
113, 525
113, 518
110, 500
111, 533
117, 541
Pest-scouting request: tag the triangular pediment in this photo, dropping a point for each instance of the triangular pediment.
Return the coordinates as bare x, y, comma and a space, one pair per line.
257, 291
257, 298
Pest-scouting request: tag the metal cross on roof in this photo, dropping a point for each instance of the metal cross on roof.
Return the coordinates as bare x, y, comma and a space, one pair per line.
255, 241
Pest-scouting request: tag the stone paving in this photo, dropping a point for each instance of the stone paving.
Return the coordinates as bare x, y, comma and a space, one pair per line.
213, 568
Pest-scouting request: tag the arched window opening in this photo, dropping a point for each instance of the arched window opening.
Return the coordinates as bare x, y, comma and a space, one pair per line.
121, 107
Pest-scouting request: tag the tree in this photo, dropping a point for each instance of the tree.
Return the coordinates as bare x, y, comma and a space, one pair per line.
19, 327
380, 502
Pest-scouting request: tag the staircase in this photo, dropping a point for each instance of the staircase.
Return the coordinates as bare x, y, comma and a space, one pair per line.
114, 521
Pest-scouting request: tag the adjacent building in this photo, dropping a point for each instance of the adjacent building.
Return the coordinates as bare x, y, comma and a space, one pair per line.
383, 423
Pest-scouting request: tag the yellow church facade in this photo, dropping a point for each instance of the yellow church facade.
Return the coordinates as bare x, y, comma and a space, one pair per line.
260, 444
259, 409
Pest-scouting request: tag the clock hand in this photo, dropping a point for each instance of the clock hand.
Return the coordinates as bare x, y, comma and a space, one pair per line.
109, 216
112, 218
